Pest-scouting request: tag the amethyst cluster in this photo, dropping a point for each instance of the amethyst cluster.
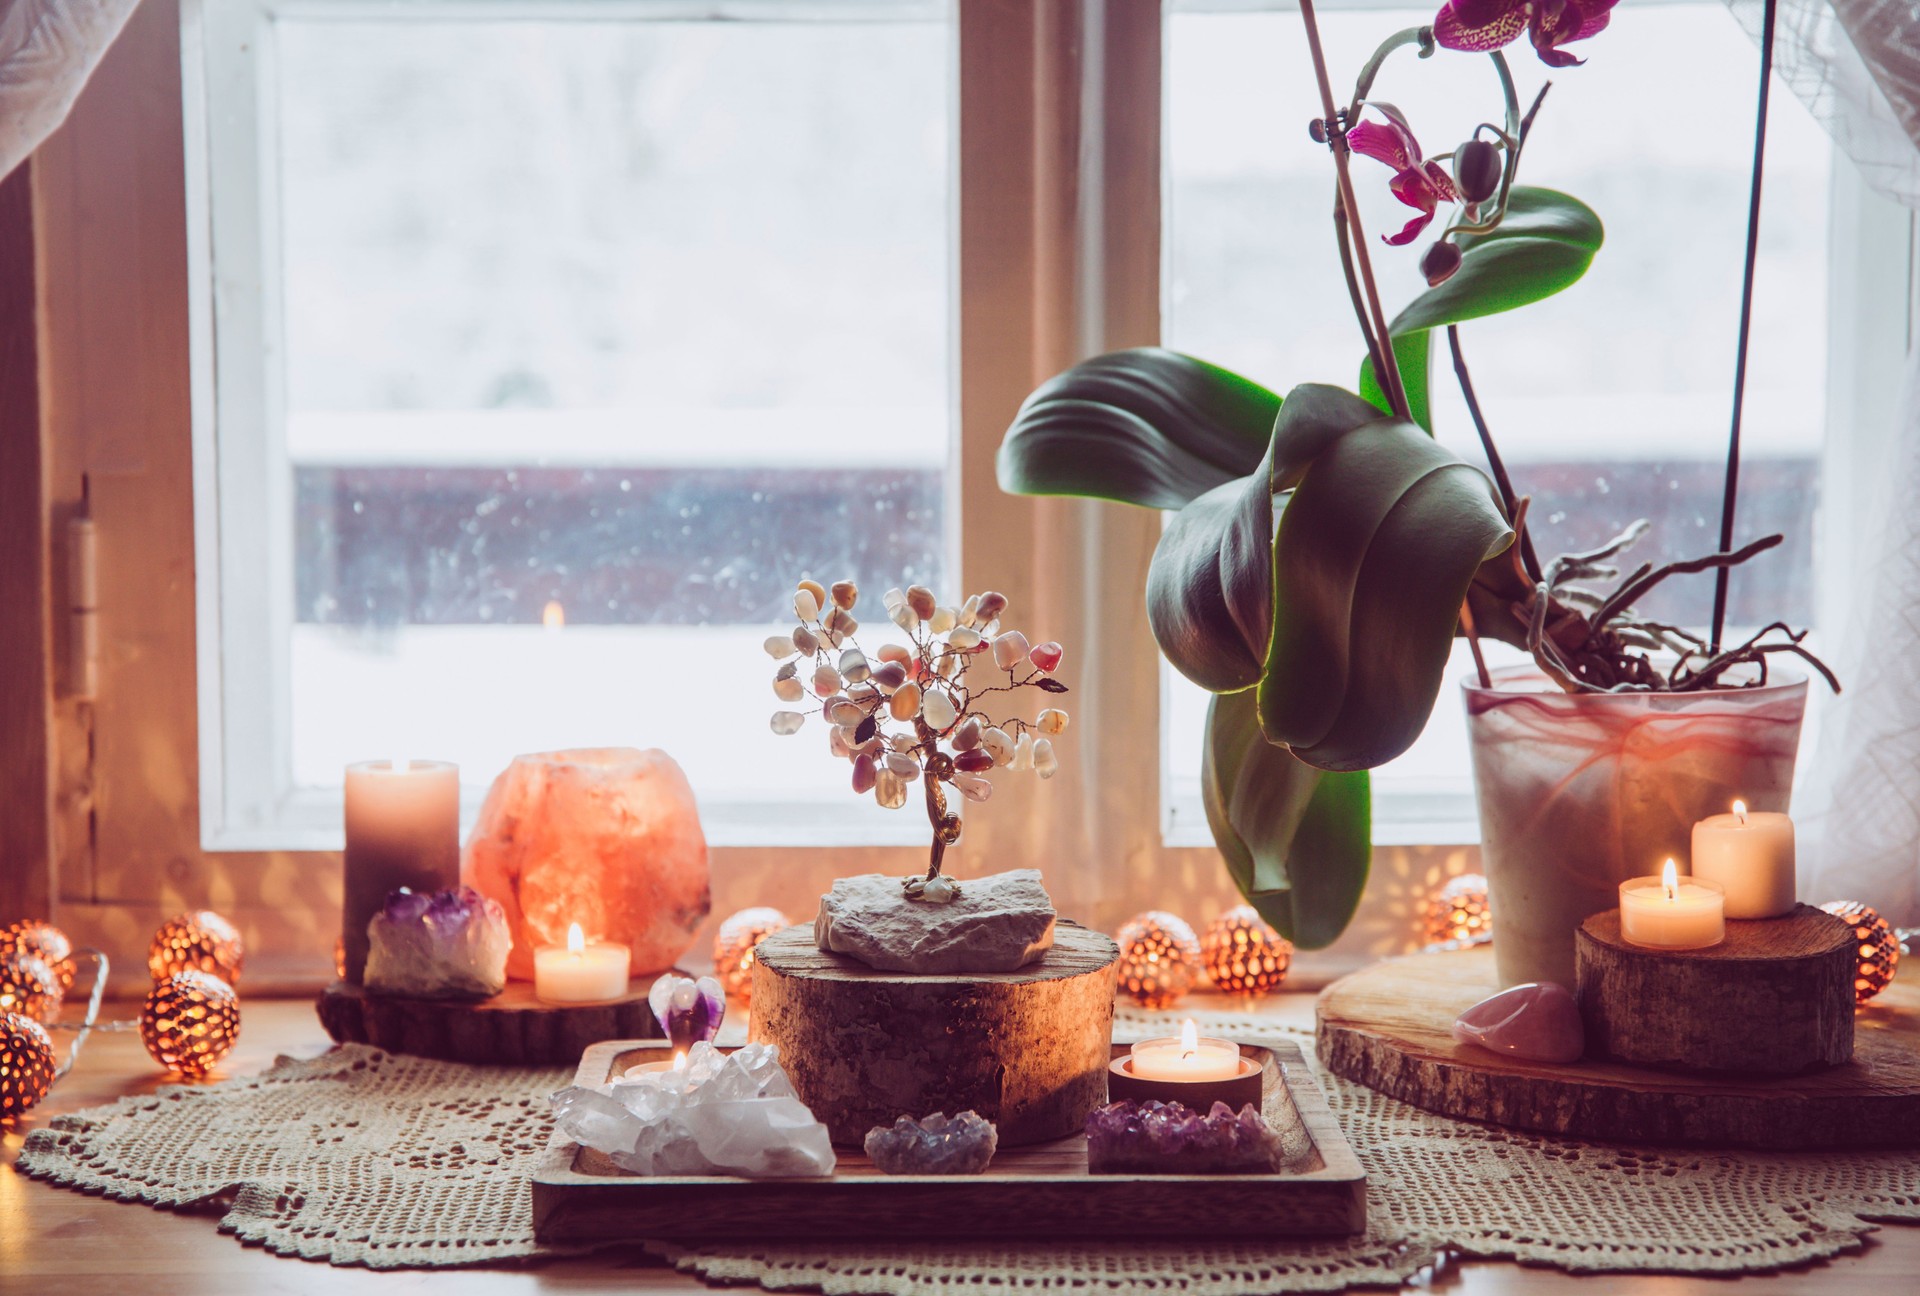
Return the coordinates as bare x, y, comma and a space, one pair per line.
1169, 1138
448, 945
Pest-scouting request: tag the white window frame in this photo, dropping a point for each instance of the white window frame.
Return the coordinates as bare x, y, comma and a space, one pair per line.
249, 799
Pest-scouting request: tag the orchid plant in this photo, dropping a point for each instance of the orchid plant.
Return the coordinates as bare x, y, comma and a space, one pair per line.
918, 712
1326, 550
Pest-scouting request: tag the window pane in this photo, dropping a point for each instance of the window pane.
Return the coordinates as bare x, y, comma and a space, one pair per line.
1610, 401
597, 335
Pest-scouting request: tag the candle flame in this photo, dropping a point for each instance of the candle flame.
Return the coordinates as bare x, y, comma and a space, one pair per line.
1670, 880
1740, 811
679, 1059
576, 939
553, 616
1189, 1039
399, 764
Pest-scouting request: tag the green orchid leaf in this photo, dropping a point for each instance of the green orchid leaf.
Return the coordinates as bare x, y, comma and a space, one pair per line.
1148, 426
1410, 352
1543, 245
1210, 587
1297, 840
1371, 561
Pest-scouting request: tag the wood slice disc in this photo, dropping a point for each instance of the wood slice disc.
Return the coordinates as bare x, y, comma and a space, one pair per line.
1774, 998
512, 1028
1389, 1027
1028, 1049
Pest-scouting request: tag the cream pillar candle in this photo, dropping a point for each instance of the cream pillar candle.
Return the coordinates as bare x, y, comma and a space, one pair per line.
1671, 912
403, 830
580, 973
1751, 855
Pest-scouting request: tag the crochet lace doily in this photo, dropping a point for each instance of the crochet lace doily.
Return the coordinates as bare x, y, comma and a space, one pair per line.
363, 1157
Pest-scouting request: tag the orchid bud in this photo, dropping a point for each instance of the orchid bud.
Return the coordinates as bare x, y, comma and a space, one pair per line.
1476, 170
1439, 262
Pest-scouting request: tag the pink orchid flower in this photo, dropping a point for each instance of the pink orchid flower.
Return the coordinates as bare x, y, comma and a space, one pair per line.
1481, 25
1417, 183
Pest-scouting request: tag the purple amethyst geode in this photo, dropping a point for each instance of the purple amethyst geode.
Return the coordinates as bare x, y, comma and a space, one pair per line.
448, 945
688, 1011
1169, 1138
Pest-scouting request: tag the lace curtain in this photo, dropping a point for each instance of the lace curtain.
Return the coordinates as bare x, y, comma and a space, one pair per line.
48, 49
1856, 65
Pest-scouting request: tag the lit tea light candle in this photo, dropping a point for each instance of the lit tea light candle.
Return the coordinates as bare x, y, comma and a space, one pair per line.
1749, 854
1188, 1070
403, 830
1186, 1058
580, 973
1673, 913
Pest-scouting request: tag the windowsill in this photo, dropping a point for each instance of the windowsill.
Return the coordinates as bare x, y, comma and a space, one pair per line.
311, 820
1400, 818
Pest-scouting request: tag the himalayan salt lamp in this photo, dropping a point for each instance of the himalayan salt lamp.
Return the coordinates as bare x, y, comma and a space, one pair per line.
605, 837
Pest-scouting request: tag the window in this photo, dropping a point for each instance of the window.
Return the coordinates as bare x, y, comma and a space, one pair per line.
543, 354
1609, 402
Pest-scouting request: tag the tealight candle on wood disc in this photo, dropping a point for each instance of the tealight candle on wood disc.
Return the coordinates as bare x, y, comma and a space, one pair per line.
581, 973
1672, 913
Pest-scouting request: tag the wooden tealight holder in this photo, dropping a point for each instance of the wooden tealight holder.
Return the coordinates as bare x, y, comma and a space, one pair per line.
514, 1027
1774, 998
1200, 1096
1028, 1050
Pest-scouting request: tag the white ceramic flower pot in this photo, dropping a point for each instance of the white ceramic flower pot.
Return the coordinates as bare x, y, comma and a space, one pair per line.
1578, 792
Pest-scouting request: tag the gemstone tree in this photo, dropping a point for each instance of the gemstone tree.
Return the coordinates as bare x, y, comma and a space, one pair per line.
915, 712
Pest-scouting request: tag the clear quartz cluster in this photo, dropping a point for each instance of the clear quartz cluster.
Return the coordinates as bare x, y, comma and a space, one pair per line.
718, 1114
449, 945
1170, 1138
933, 1145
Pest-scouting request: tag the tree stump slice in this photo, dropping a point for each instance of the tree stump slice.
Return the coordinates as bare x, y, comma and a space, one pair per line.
1028, 1049
1774, 998
1390, 1027
512, 1028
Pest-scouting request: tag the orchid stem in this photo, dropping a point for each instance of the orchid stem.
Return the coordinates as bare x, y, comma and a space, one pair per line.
1500, 478
1389, 373
1341, 236
1729, 496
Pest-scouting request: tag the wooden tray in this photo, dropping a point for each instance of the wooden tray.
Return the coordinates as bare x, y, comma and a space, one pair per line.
1042, 1191
1389, 1027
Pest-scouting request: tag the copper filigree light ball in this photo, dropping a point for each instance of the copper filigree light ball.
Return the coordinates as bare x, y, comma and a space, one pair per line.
26, 1064
190, 1022
1457, 913
734, 944
1879, 948
196, 942
1243, 955
29, 987
44, 941
1159, 958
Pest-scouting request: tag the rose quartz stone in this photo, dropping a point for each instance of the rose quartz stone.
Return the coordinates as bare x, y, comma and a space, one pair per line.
606, 837
1538, 1021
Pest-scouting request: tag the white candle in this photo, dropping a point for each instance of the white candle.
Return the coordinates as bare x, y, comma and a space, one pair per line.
1186, 1058
403, 830
1670, 912
580, 973
1751, 855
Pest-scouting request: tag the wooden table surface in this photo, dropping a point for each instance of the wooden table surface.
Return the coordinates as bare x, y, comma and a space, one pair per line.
53, 1240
